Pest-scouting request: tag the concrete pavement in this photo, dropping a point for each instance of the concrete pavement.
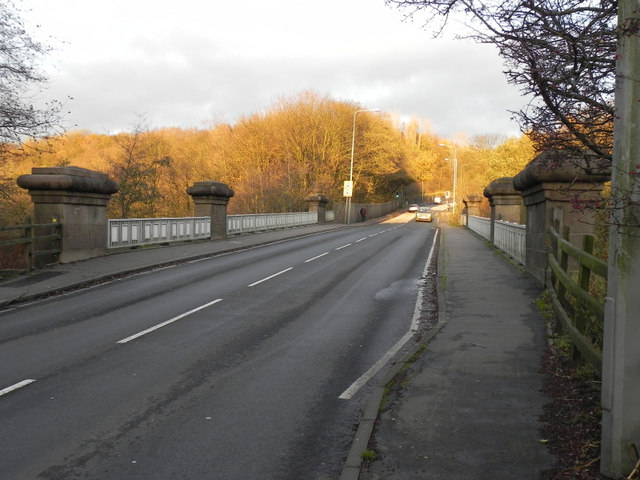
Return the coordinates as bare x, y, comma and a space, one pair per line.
470, 404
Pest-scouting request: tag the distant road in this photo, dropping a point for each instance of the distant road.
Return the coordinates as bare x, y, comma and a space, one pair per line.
224, 368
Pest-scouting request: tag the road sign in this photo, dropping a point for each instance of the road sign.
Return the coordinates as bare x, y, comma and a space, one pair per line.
348, 188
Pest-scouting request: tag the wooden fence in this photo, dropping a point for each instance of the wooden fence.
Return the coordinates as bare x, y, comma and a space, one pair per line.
25, 247
573, 277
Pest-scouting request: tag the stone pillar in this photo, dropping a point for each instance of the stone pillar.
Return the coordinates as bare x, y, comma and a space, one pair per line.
552, 187
506, 202
77, 198
210, 200
318, 203
471, 207
472, 204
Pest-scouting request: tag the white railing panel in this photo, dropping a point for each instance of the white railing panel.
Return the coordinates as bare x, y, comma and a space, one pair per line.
480, 225
129, 232
268, 221
511, 238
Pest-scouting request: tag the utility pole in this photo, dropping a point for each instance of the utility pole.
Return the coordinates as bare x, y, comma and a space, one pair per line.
621, 344
348, 190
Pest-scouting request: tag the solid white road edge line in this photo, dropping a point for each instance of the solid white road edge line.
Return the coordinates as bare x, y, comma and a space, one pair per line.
269, 277
418, 310
171, 320
16, 386
376, 367
316, 257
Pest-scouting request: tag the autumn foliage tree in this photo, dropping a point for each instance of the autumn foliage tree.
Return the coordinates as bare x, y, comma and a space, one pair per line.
273, 160
302, 146
429, 162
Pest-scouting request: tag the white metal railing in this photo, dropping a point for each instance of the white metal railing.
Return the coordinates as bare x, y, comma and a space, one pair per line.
480, 225
511, 238
268, 221
128, 232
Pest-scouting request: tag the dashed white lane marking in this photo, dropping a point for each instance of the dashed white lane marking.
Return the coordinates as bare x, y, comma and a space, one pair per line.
316, 257
171, 320
174, 319
376, 367
270, 277
16, 386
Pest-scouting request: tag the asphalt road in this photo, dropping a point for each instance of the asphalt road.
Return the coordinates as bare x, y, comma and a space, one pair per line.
233, 367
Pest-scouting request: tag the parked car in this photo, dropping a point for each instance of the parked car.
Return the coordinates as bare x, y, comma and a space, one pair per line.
413, 207
423, 214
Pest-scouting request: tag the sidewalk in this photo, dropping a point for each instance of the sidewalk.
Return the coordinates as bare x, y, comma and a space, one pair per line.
68, 276
471, 403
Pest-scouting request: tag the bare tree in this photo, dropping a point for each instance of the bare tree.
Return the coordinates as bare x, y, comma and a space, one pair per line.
142, 159
20, 78
19, 75
561, 53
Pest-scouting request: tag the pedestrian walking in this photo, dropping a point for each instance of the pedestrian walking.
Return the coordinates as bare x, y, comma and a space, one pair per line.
363, 213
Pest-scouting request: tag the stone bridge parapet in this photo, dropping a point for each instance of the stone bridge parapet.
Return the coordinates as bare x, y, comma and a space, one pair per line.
76, 198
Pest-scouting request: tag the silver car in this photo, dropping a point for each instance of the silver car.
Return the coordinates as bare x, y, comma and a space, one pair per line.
423, 214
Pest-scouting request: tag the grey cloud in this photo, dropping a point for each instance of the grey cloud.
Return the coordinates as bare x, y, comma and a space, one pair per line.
414, 80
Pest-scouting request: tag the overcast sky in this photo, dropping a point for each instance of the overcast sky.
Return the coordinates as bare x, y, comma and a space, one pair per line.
191, 63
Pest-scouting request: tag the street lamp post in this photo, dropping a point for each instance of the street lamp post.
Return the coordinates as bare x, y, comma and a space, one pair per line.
353, 144
455, 172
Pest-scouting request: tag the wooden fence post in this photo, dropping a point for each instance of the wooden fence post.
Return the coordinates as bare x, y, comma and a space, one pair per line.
28, 246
